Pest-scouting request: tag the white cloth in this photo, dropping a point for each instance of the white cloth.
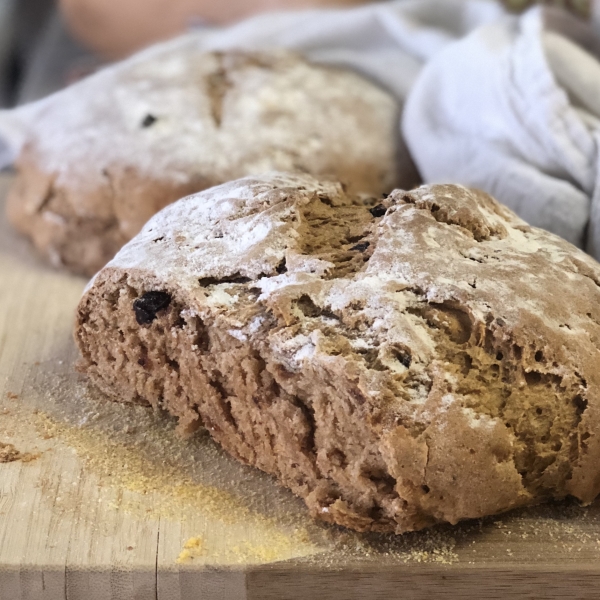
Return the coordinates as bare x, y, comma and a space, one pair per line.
503, 103
386, 41
514, 109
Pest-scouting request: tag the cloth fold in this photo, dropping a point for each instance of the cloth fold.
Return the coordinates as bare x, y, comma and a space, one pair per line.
514, 109
386, 41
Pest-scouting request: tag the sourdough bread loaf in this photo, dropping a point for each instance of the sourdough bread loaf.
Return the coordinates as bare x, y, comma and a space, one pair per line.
101, 157
397, 363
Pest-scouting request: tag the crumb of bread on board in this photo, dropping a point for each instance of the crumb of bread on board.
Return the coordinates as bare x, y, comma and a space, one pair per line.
191, 549
8, 453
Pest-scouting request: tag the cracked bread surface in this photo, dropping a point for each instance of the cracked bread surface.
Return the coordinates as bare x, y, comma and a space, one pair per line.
397, 363
99, 158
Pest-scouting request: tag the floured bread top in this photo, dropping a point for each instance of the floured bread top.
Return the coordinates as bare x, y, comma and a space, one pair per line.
175, 113
457, 319
446, 241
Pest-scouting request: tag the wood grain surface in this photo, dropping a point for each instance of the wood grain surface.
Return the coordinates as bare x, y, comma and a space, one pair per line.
102, 501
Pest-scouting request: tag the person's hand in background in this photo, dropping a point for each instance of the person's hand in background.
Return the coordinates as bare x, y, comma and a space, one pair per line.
116, 28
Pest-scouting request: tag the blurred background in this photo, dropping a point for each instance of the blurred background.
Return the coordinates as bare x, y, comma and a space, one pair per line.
44, 45
38, 55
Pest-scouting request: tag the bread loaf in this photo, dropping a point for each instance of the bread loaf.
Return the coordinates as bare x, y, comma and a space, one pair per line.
101, 157
397, 363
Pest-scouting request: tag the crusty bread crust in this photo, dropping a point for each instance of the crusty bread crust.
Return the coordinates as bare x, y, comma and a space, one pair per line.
104, 155
397, 363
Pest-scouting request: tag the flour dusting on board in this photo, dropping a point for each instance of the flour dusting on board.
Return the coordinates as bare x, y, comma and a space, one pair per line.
131, 448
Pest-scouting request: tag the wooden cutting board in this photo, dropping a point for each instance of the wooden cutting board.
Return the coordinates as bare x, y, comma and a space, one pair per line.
100, 501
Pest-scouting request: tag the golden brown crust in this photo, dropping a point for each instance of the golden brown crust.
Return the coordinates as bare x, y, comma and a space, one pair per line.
83, 233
